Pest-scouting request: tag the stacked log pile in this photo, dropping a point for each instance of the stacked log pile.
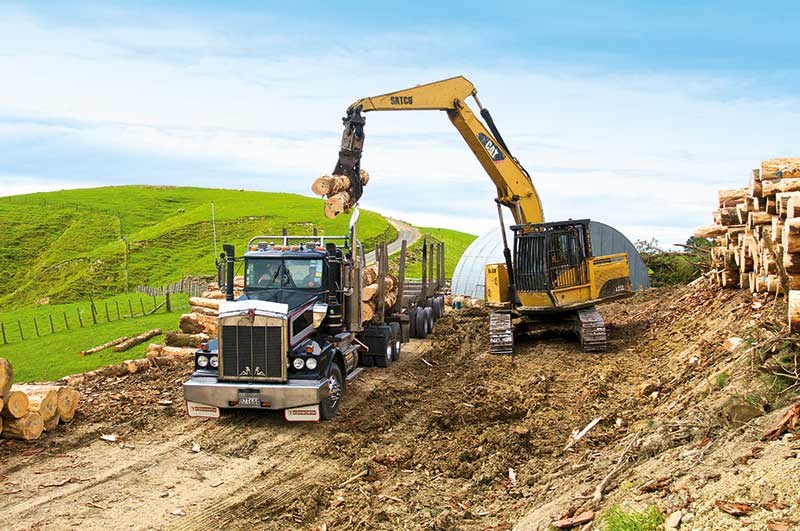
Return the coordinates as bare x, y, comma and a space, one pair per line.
28, 410
370, 289
757, 231
337, 189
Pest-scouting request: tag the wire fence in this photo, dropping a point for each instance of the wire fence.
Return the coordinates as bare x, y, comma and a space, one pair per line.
36, 326
192, 286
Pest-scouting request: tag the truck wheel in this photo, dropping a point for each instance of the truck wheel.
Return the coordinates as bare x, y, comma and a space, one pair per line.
437, 311
428, 320
441, 305
397, 340
421, 324
385, 359
412, 323
336, 386
365, 359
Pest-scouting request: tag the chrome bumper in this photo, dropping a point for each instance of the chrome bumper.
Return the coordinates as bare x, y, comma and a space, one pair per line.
207, 390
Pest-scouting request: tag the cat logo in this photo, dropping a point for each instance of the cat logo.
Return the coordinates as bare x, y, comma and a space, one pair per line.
401, 100
491, 149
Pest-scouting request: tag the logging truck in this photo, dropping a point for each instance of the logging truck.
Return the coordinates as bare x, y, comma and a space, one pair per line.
298, 332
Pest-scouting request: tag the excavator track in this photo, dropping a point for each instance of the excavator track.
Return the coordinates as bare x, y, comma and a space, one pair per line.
591, 328
501, 333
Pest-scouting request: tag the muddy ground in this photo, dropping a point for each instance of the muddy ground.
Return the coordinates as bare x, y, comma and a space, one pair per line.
450, 437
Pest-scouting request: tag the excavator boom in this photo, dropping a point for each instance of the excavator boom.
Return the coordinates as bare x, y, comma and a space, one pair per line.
514, 187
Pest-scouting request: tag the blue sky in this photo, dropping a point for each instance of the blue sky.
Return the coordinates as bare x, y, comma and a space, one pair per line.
630, 113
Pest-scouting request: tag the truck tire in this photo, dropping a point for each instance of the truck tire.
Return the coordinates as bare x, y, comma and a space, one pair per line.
336, 387
421, 324
437, 308
428, 312
412, 323
397, 340
365, 359
385, 353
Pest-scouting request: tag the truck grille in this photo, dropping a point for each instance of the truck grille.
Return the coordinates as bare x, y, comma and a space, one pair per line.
252, 353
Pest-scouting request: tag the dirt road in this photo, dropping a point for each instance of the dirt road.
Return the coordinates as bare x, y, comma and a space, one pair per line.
449, 437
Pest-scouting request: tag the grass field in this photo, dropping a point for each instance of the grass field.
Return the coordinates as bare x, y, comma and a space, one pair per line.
71, 245
54, 355
455, 243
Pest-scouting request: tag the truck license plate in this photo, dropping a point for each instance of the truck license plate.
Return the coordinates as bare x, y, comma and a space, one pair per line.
249, 399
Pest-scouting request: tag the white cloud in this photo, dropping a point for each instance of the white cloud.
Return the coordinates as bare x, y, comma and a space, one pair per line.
644, 153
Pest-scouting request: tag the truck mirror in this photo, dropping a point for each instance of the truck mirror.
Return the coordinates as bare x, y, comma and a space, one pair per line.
320, 310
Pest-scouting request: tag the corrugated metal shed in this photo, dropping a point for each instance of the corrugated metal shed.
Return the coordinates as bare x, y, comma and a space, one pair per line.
468, 278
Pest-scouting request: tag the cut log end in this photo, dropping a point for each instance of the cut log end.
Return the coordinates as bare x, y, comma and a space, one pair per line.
28, 427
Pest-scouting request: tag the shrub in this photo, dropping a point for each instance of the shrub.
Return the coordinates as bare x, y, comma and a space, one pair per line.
618, 519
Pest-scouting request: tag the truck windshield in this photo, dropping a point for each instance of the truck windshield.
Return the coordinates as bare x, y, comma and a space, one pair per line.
276, 273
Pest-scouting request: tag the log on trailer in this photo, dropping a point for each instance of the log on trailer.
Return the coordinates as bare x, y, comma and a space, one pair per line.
135, 340
205, 303
28, 427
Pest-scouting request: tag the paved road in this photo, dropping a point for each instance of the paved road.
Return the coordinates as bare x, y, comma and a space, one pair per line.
404, 232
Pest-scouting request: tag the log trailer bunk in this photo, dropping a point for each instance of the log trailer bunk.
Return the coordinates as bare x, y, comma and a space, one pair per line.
552, 278
296, 335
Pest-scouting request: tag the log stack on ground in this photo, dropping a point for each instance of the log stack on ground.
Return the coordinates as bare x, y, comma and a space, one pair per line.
757, 231
28, 409
337, 189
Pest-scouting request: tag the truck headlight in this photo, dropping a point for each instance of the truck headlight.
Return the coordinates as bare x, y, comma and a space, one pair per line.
213, 361
311, 363
202, 361
298, 364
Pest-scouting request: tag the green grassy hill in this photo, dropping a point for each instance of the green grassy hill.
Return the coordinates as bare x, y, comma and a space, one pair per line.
455, 244
71, 245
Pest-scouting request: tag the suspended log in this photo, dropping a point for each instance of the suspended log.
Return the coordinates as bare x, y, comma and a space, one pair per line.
369, 292
15, 404
730, 198
141, 338
781, 186
41, 398
28, 427
337, 204
6, 376
104, 346
781, 168
709, 231
178, 339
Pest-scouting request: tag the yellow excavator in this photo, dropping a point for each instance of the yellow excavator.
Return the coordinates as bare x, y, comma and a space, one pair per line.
552, 281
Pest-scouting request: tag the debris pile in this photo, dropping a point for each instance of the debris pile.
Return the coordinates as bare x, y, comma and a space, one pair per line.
28, 410
337, 188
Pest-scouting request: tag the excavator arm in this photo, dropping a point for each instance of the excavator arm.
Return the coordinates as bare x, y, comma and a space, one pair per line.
514, 187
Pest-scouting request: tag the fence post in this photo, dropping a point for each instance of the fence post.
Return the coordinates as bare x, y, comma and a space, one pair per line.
21, 335
108, 318
52, 328
117, 304
80, 320
66, 323
36, 326
141, 303
130, 306
3, 329
154, 304
167, 303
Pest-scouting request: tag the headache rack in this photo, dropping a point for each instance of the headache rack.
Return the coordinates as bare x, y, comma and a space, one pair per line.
289, 239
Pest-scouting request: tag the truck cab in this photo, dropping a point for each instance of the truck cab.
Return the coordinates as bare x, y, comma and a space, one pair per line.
294, 337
